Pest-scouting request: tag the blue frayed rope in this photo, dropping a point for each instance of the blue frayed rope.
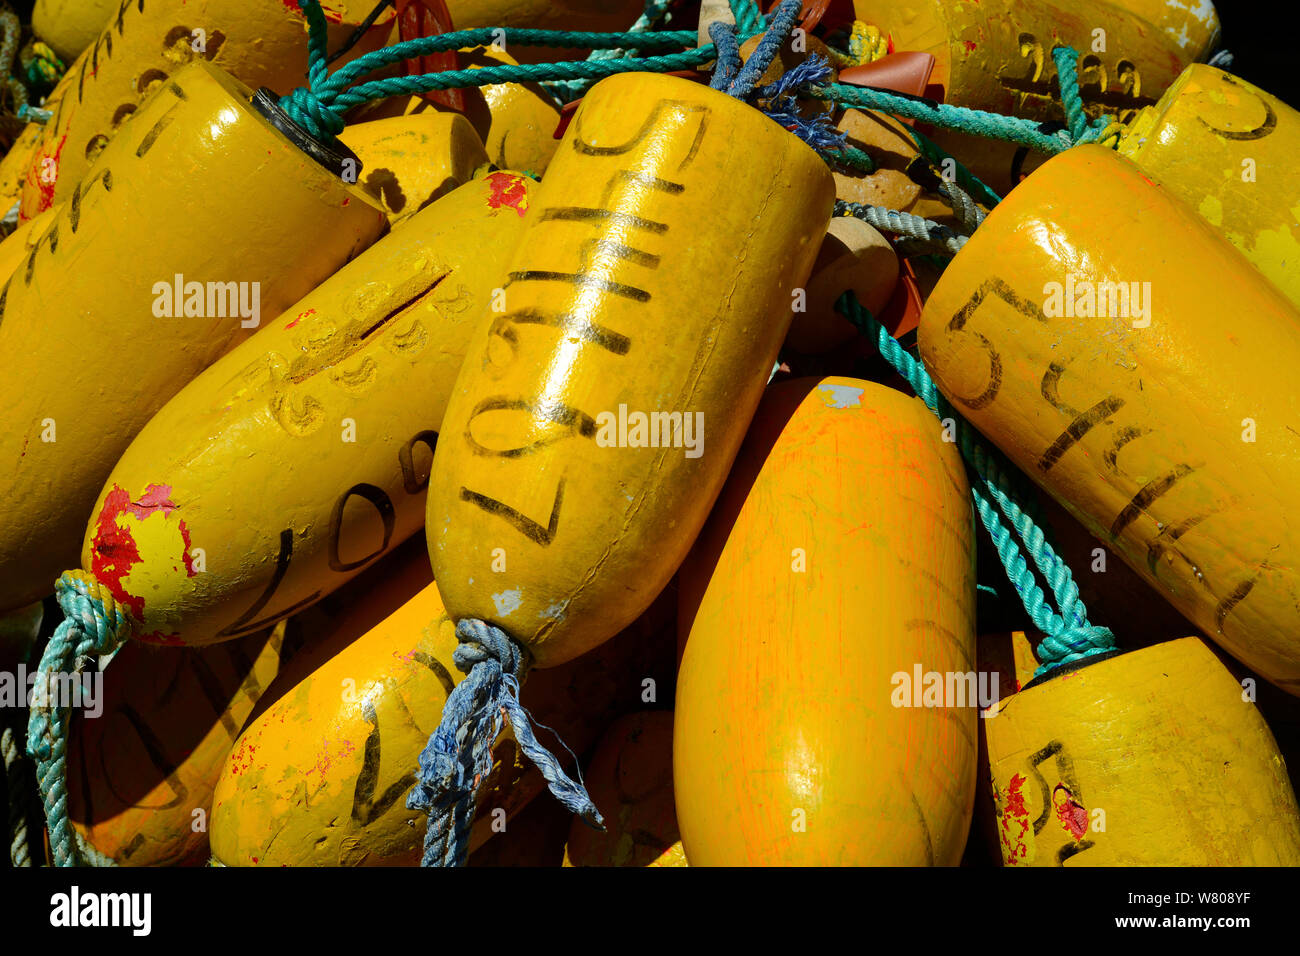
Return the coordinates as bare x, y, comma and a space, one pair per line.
458, 758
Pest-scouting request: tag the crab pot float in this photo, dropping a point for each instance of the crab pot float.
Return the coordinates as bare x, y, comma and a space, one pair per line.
1228, 150
354, 379
640, 290
96, 339
411, 160
838, 565
1086, 761
1108, 375
144, 44
996, 55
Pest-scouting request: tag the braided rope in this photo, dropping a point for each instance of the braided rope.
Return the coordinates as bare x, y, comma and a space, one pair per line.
935, 235
17, 782
458, 757
94, 624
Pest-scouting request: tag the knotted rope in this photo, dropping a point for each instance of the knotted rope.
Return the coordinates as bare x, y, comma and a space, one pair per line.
458, 756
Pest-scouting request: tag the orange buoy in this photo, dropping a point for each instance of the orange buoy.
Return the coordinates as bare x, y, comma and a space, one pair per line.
1108, 376
831, 591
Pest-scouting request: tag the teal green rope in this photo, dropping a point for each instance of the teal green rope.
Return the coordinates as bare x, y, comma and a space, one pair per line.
90, 628
748, 20
655, 10
318, 108
1068, 636
1067, 72
935, 155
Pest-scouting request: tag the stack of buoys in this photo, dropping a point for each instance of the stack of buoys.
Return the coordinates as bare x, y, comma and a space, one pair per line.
804, 436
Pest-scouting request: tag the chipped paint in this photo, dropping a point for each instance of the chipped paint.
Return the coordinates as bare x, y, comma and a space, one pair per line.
840, 396
508, 189
1017, 847
508, 602
1072, 814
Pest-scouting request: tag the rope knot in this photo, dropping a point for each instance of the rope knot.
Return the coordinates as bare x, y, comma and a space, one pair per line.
308, 110
458, 756
1071, 644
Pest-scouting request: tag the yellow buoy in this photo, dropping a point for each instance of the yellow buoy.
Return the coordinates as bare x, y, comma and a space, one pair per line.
642, 307
16, 163
1110, 377
143, 762
409, 161
516, 120
18, 245
1151, 758
136, 287
303, 455
1228, 150
997, 54
824, 714
885, 140
258, 42
321, 777
69, 26
631, 779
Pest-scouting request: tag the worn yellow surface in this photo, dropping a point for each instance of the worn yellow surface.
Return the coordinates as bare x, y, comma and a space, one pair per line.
516, 120
409, 161
840, 559
853, 256
16, 162
640, 287
1170, 441
321, 777
1191, 25
18, 245
1228, 150
259, 42
141, 775
1151, 758
304, 454
69, 26
631, 779
89, 343
997, 54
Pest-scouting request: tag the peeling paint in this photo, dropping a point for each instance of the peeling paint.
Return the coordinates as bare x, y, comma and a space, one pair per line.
508, 602
841, 396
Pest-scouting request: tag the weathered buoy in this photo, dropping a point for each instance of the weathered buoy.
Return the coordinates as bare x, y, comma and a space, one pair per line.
642, 306
831, 592
303, 455
259, 42
1086, 762
406, 162
590, 15
69, 26
135, 288
631, 779
142, 772
996, 55
1108, 376
1228, 149
321, 777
